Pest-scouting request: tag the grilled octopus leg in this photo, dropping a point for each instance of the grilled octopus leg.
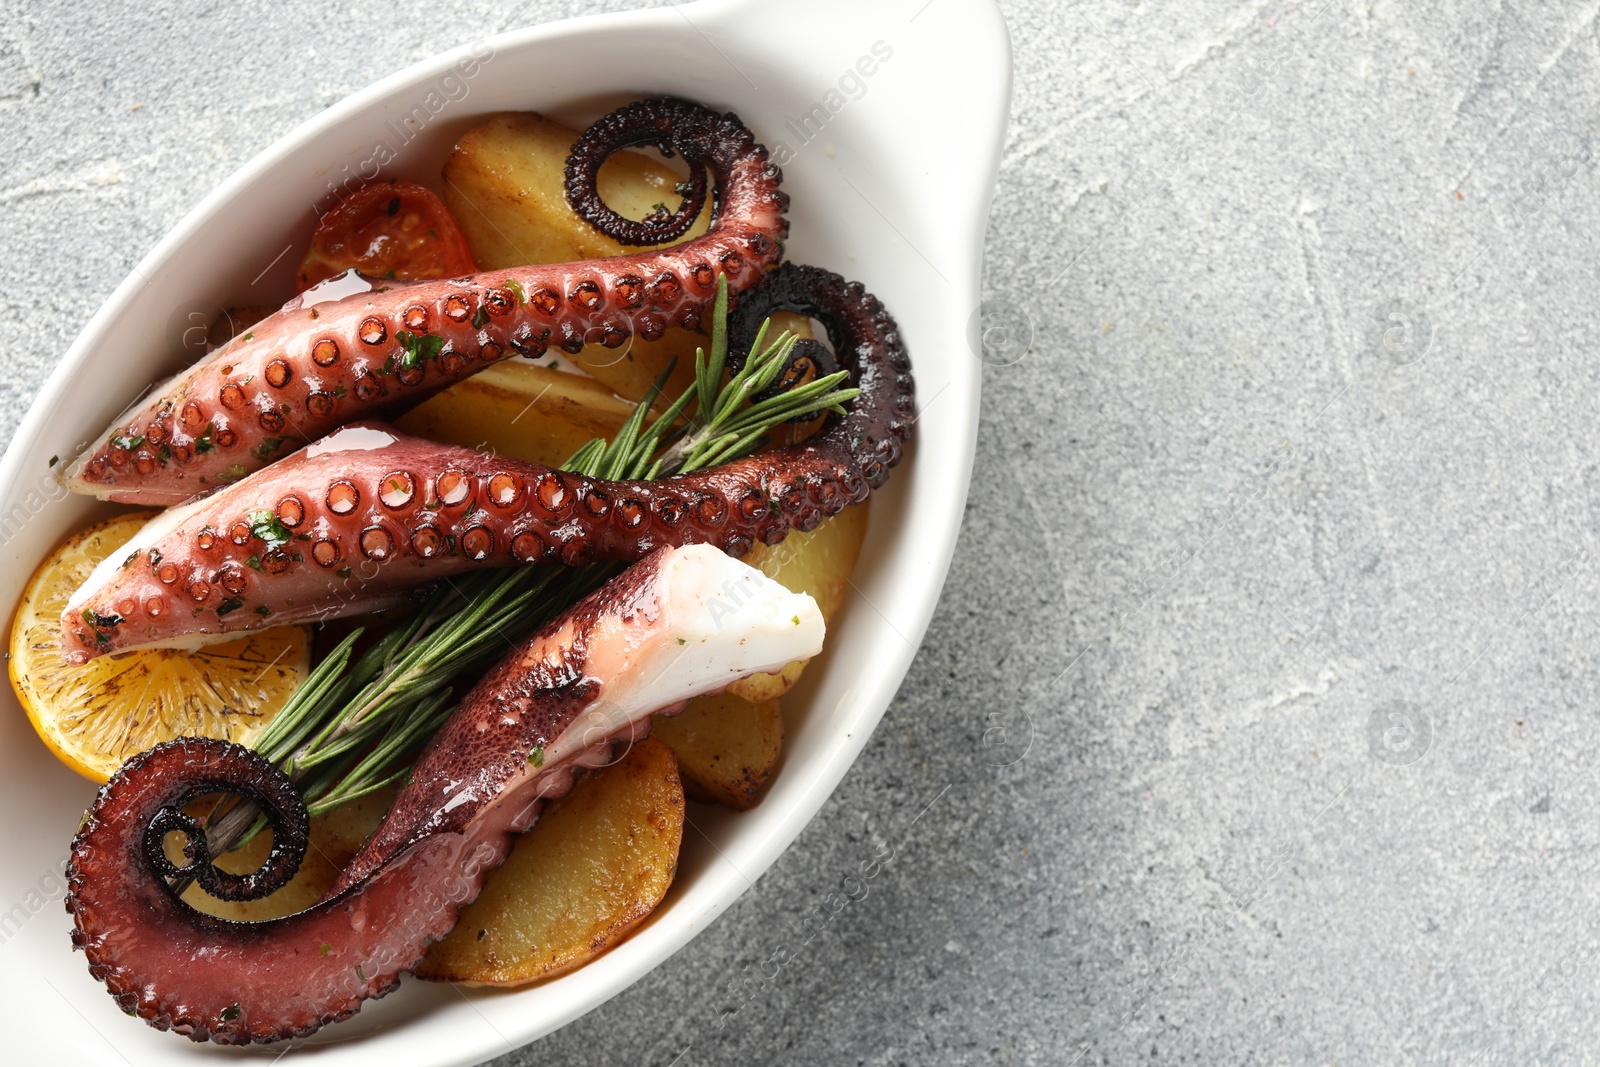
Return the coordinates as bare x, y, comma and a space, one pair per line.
679, 623
352, 521
354, 345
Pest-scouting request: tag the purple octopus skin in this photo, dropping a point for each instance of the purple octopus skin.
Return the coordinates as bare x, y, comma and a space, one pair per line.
590, 679
351, 522
333, 355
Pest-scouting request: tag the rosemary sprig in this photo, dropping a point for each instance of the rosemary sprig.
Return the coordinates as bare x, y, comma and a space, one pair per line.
353, 728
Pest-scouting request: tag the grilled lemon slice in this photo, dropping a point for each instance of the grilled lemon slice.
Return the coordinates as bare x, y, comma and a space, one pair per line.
95, 716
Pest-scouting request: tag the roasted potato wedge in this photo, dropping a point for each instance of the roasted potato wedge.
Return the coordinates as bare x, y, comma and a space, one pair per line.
522, 410
819, 563
761, 687
505, 183
335, 839
727, 747
579, 882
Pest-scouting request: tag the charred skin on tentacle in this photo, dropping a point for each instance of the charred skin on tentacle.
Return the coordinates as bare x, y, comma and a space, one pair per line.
355, 345
645, 642
352, 521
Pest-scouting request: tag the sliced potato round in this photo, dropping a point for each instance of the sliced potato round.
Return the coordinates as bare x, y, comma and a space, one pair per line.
589, 872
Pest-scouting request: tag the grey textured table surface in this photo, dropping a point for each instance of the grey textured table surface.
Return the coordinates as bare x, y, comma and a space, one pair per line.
1279, 562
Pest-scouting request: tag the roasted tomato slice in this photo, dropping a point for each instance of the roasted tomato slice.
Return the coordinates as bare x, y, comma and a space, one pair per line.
393, 229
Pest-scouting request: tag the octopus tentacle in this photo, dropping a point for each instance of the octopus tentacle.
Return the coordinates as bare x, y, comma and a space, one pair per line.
592, 677
139, 936
254, 780
357, 518
866, 340
354, 345
793, 290
660, 124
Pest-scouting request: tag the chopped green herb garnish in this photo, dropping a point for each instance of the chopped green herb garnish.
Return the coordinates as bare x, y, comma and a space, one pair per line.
517, 289
254, 563
229, 605
536, 757
480, 318
267, 526
419, 348
96, 622
266, 448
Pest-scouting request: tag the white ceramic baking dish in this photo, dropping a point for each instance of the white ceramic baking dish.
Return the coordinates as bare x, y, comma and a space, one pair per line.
888, 119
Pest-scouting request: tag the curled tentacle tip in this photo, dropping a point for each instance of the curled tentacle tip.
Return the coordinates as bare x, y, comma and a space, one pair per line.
673, 127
